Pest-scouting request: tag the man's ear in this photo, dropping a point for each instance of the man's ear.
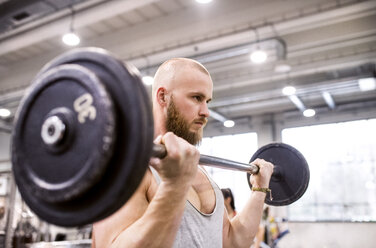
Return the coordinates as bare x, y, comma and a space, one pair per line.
162, 96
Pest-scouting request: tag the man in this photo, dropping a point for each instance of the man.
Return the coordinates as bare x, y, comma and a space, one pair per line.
177, 204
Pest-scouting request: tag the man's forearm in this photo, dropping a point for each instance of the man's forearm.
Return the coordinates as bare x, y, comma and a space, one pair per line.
244, 226
159, 224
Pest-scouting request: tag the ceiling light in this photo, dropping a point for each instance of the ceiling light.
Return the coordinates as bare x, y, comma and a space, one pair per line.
297, 102
71, 39
282, 68
258, 56
203, 1
228, 123
148, 80
288, 90
329, 99
366, 84
309, 113
4, 112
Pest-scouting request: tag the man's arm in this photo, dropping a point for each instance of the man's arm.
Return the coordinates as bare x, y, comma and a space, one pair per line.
241, 230
142, 224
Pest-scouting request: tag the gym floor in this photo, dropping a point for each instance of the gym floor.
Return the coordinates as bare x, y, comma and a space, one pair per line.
325, 50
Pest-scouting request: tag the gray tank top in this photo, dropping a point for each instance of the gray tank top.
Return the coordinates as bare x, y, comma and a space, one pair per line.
198, 229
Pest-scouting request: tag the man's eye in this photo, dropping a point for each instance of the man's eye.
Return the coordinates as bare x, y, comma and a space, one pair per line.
197, 98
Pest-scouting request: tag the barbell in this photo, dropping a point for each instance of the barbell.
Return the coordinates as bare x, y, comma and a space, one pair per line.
83, 138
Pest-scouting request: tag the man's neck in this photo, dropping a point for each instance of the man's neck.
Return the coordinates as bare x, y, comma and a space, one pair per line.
159, 128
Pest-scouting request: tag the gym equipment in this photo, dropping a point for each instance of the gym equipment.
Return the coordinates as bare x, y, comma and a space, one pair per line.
83, 137
290, 176
95, 166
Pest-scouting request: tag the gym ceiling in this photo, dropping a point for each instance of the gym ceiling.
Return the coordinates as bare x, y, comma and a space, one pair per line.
326, 49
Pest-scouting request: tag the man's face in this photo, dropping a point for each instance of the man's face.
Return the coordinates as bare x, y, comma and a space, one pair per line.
187, 109
180, 127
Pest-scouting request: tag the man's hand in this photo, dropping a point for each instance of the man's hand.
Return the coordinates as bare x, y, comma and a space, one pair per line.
262, 178
241, 230
180, 164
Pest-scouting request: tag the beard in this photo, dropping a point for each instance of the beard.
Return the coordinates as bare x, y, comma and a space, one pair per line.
175, 123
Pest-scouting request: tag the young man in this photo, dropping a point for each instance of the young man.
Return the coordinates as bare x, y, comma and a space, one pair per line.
177, 204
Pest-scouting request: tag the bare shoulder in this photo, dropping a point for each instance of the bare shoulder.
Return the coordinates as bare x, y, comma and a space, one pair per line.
107, 230
202, 171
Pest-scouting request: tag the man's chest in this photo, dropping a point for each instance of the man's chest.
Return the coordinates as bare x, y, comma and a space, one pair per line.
201, 195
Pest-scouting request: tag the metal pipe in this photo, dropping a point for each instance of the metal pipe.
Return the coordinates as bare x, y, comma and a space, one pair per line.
159, 151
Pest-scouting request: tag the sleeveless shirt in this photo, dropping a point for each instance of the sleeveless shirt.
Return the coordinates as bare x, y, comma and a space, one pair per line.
198, 229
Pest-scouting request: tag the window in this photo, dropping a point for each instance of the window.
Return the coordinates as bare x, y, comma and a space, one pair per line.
239, 148
342, 161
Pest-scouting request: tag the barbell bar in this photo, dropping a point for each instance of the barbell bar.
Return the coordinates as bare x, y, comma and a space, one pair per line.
159, 151
83, 138
290, 177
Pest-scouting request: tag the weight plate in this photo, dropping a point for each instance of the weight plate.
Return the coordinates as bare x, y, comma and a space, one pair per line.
63, 135
290, 176
132, 149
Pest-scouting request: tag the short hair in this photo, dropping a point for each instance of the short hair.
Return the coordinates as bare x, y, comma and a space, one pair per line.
167, 70
186, 62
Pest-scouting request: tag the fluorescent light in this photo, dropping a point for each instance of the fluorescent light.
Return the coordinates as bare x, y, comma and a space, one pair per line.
229, 123
4, 112
298, 103
221, 118
288, 90
258, 56
366, 84
71, 39
148, 80
329, 99
309, 113
203, 1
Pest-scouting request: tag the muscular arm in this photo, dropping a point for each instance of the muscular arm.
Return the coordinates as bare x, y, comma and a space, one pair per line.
144, 222
140, 224
241, 230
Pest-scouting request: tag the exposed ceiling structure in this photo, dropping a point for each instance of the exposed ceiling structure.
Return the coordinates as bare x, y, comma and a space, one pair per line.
321, 47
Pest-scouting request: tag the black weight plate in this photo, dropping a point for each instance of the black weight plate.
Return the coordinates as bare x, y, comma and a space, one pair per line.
66, 171
133, 145
290, 176
145, 137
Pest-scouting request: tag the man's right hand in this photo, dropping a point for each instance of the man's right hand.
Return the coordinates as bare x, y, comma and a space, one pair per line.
151, 217
180, 164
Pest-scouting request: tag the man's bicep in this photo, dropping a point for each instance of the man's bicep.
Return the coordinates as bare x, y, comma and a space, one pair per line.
226, 229
107, 230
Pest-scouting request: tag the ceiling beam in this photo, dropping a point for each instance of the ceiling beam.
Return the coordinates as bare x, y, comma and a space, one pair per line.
83, 18
299, 71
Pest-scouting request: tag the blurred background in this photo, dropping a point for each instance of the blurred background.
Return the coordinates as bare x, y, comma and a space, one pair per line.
299, 72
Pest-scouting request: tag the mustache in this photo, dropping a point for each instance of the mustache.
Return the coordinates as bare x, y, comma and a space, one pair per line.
203, 120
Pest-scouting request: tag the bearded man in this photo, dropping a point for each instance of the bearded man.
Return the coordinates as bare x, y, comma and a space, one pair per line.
177, 204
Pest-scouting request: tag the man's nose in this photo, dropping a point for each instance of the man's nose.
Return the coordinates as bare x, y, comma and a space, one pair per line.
204, 110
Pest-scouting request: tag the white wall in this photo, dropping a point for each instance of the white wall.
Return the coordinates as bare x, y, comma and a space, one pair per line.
329, 235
